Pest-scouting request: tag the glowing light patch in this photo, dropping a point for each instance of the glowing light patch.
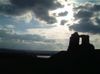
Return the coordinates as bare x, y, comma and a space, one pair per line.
68, 6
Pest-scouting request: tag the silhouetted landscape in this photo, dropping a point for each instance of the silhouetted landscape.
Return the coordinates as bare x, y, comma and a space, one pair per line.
78, 59
36, 36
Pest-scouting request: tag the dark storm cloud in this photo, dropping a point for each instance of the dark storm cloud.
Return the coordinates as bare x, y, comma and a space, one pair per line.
87, 14
63, 22
86, 25
88, 6
96, 8
11, 10
39, 7
97, 21
83, 14
32, 3
63, 13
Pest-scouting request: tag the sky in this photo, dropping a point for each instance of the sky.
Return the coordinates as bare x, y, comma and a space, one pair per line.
47, 24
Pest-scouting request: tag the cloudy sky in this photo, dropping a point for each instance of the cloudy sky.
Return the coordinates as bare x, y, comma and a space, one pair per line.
47, 24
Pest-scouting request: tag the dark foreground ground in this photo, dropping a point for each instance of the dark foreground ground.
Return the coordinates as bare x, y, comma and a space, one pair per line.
22, 62
78, 59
